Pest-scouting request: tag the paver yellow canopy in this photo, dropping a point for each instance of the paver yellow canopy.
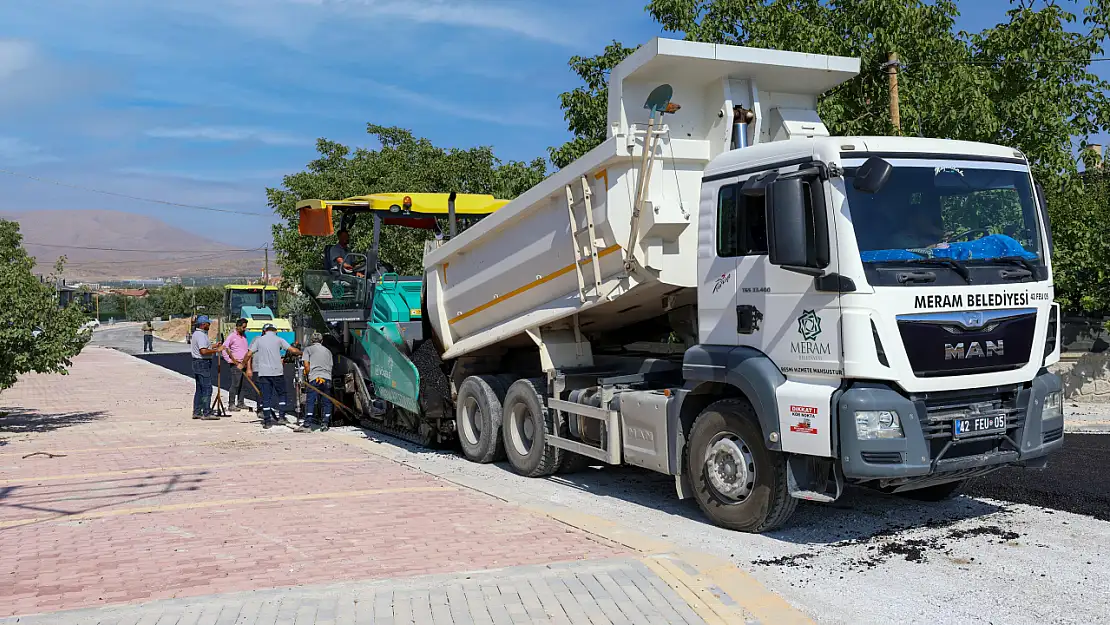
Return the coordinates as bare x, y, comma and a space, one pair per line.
405, 209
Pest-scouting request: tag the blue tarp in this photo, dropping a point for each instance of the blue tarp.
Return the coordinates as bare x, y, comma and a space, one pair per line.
993, 246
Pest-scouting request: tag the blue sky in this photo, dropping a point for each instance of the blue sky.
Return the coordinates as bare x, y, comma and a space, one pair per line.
208, 102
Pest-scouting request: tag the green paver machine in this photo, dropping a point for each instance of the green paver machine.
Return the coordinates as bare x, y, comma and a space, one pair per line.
387, 368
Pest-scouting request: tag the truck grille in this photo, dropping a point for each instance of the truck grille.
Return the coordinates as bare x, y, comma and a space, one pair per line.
942, 410
961, 343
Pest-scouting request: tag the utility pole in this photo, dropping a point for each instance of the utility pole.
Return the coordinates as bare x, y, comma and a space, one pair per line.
892, 74
266, 270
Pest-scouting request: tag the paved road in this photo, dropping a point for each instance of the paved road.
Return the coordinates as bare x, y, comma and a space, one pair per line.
116, 507
1022, 548
128, 338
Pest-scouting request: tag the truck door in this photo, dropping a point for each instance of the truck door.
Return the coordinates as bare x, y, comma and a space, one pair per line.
784, 314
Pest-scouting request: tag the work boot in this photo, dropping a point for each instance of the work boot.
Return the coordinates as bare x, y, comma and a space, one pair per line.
209, 417
267, 425
232, 408
241, 406
303, 428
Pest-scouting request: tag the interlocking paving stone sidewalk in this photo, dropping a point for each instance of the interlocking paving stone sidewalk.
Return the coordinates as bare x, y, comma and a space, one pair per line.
110, 494
616, 591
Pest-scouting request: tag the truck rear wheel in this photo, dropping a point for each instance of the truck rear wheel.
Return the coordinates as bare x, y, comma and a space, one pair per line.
738, 483
525, 428
478, 418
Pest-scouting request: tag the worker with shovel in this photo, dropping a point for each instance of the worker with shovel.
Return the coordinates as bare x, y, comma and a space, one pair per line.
317, 372
266, 352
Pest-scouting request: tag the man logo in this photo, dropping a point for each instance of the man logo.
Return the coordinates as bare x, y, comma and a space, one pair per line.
973, 350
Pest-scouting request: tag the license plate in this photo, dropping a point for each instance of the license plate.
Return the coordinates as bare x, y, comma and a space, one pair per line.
979, 425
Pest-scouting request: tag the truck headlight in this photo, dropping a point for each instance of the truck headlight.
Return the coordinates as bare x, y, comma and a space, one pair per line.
1053, 406
872, 424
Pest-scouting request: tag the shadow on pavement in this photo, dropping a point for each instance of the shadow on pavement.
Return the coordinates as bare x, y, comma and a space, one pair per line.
60, 500
22, 420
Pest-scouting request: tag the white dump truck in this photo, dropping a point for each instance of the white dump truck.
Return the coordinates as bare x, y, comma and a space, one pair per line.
724, 293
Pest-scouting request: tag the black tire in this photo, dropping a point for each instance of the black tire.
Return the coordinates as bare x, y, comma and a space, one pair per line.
762, 502
478, 418
940, 492
524, 415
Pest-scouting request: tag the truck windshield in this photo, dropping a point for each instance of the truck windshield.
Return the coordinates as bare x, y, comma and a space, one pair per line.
967, 214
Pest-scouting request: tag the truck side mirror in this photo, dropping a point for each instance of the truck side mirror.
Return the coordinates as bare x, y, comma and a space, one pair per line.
872, 175
786, 223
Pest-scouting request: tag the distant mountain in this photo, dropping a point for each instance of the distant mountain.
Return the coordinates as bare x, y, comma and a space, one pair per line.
186, 254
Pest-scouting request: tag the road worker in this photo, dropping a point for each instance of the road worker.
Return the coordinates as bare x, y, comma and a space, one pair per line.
264, 356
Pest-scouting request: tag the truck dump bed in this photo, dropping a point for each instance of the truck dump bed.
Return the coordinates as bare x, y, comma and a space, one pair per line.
562, 248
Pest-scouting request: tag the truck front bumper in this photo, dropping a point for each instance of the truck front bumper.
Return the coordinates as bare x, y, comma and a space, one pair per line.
928, 452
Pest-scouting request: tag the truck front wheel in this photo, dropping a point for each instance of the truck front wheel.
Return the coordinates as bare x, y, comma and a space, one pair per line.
525, 428
738, 483
478, 418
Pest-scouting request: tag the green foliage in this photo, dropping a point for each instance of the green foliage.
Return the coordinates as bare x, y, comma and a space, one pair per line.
141, 309
35, 334
212, 300
953, 85
586, 108
404, 163
1079, 211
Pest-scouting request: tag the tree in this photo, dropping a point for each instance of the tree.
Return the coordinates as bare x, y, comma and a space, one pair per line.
403, 163
141, 309
586, 108
212, 300
35, 333
1025, 82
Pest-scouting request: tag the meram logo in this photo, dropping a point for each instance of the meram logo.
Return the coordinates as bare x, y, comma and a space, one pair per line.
809, 325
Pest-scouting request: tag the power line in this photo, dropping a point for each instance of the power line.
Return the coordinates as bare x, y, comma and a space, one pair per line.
132, 197
121, 249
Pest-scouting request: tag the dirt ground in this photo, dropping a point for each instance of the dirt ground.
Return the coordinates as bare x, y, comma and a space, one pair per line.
176, 329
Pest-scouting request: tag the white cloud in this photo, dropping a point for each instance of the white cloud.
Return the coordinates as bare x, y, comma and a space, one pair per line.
226, 134
521, 18
16, 151
461, 110
291, 20
29, 79
15, 56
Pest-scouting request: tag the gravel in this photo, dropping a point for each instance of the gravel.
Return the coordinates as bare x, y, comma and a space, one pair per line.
868, 558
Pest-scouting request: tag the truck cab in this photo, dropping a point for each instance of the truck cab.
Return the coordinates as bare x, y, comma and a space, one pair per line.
887, 305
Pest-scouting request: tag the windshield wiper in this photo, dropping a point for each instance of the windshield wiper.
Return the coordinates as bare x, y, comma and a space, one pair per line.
1016, 260
952, 264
